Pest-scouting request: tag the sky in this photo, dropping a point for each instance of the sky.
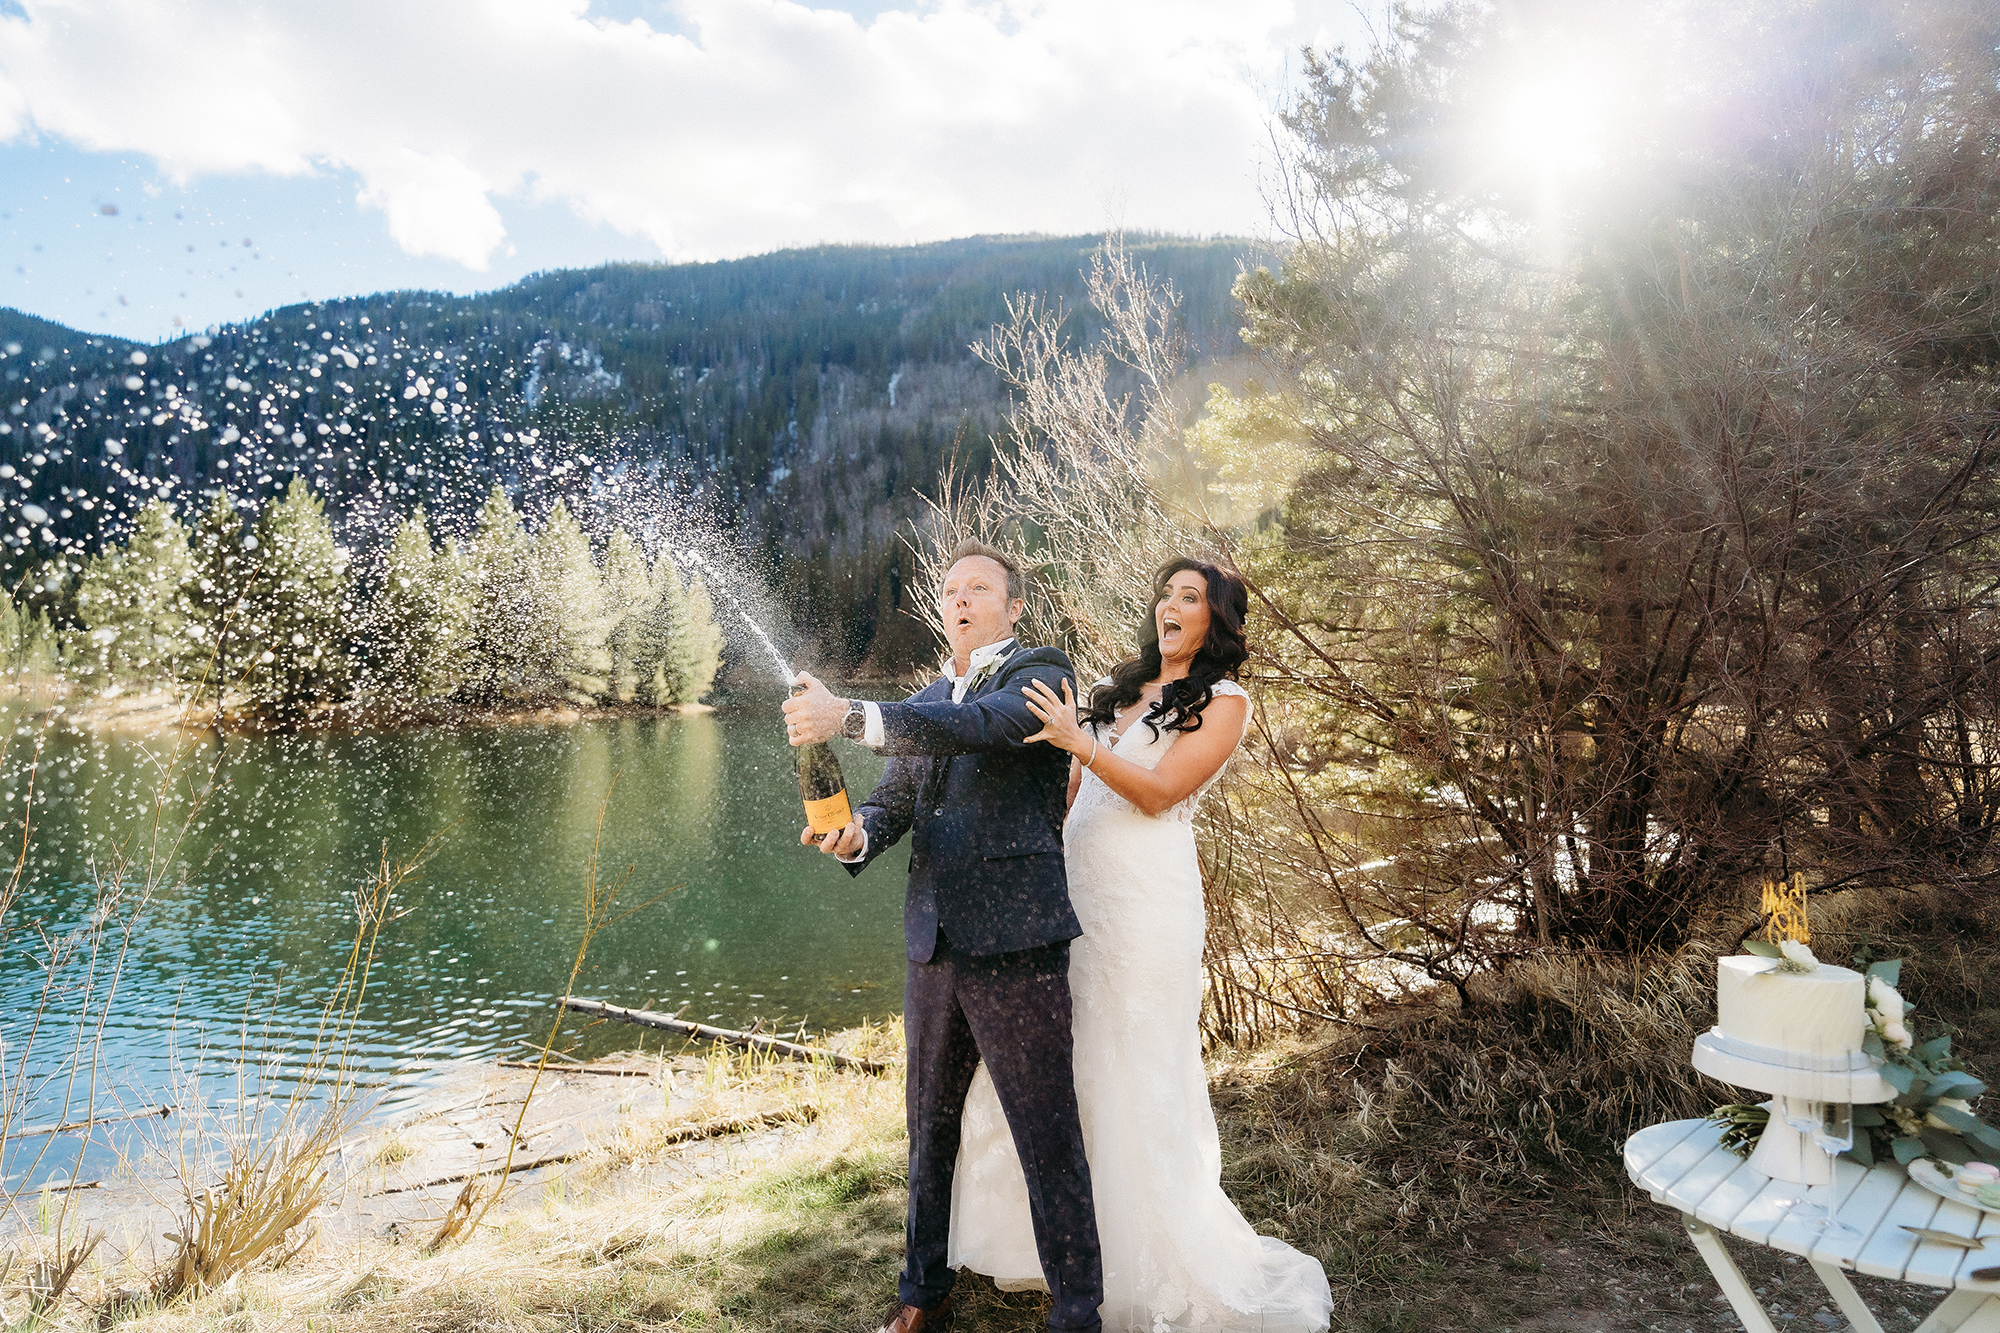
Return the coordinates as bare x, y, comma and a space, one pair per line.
168, 165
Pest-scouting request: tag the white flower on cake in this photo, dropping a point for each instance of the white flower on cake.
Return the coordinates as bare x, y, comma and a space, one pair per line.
1797, 957
1885, 1014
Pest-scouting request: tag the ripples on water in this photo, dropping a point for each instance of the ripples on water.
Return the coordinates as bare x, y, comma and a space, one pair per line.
235, 954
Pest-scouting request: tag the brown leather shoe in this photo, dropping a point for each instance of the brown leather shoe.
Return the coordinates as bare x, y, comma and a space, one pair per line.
909, 1319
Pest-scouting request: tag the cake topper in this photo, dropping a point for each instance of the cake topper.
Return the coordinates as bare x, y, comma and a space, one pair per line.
1784, 922
1784, 909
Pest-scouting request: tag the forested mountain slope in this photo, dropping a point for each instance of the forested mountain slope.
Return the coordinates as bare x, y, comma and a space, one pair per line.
796, 405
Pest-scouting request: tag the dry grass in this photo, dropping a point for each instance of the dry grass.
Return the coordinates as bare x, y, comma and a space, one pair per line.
242, 1218
392, 1149
1452, 1168
1397, 1152
79, 966
794, 1228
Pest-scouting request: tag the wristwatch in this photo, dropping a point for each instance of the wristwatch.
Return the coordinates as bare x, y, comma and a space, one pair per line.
855, 724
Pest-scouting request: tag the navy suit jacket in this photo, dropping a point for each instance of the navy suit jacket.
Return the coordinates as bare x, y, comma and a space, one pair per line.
984, 810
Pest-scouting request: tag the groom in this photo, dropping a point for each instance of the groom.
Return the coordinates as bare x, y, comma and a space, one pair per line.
987, 925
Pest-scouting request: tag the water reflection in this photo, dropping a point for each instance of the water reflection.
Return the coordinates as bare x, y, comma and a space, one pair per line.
240, 949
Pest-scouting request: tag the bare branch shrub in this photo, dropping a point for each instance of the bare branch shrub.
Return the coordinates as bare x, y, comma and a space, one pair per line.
1097, 492
277, 1159
1095, 430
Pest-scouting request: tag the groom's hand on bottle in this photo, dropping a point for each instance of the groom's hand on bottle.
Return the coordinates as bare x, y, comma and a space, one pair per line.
841, 842
813, 714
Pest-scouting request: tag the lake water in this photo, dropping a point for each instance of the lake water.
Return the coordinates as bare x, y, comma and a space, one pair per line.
704, 811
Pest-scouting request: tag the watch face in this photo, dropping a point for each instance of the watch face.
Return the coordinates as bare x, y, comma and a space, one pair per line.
854, 724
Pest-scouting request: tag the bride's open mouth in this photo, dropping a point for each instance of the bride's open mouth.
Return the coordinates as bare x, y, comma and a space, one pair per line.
1170, 630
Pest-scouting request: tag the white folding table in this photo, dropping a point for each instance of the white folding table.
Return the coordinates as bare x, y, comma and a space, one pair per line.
1683, 1165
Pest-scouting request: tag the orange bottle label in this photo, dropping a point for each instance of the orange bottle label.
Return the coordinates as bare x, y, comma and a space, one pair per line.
829, 815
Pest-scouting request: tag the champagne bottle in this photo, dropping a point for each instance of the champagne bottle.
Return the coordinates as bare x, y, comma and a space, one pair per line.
822, 788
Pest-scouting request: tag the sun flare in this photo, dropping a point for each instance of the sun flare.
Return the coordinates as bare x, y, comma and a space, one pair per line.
1554, 124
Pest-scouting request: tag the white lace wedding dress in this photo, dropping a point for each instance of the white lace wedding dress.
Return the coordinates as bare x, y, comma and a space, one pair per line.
1178, 1257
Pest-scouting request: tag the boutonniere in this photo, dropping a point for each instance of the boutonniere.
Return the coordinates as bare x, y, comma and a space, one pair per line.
983, 670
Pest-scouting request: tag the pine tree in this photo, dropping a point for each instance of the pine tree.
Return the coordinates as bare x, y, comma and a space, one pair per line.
40, 647
455, 608
28, 643
297, 610
501, 608
628, 588
680, 642
569, 593
218, 648
10, 635
417, 619
662, 627
699, 652
396, 621
163, 564
134, 603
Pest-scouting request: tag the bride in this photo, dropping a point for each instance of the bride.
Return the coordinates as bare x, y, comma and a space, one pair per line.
1177, 1254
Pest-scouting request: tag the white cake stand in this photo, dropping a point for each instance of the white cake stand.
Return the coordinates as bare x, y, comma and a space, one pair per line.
1812, 1114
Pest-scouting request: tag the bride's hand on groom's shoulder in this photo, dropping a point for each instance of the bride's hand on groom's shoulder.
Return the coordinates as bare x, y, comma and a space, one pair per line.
1058, 716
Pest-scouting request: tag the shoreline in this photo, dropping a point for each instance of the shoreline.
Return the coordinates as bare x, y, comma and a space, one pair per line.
153, 711
118, 710
638, 1124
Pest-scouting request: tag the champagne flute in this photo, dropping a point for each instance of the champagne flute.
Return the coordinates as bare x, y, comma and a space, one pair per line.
1834, 1135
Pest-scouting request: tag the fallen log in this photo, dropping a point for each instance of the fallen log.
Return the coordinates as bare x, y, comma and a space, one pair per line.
553, 1054
715, 1129
775, 1045
566, 1070
525, 1164
700, 1129
71, 1126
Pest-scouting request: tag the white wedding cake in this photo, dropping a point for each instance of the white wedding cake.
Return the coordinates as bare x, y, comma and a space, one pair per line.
1793, 1027
1797, 1020
1792, 1031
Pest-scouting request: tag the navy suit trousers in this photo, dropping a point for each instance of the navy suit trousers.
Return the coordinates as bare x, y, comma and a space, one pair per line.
1013, 1011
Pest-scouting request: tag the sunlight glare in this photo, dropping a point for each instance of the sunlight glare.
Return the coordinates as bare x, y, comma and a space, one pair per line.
1555, 123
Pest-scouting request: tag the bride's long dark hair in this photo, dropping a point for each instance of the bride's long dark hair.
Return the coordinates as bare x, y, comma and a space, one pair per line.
1221, 653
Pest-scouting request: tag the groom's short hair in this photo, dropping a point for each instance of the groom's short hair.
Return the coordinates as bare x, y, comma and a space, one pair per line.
972, 546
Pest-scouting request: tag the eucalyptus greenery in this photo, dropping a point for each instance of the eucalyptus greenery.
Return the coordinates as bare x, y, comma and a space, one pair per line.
1932, 1113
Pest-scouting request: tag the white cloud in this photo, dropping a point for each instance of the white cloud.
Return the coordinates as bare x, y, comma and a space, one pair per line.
437, 206
758, 123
